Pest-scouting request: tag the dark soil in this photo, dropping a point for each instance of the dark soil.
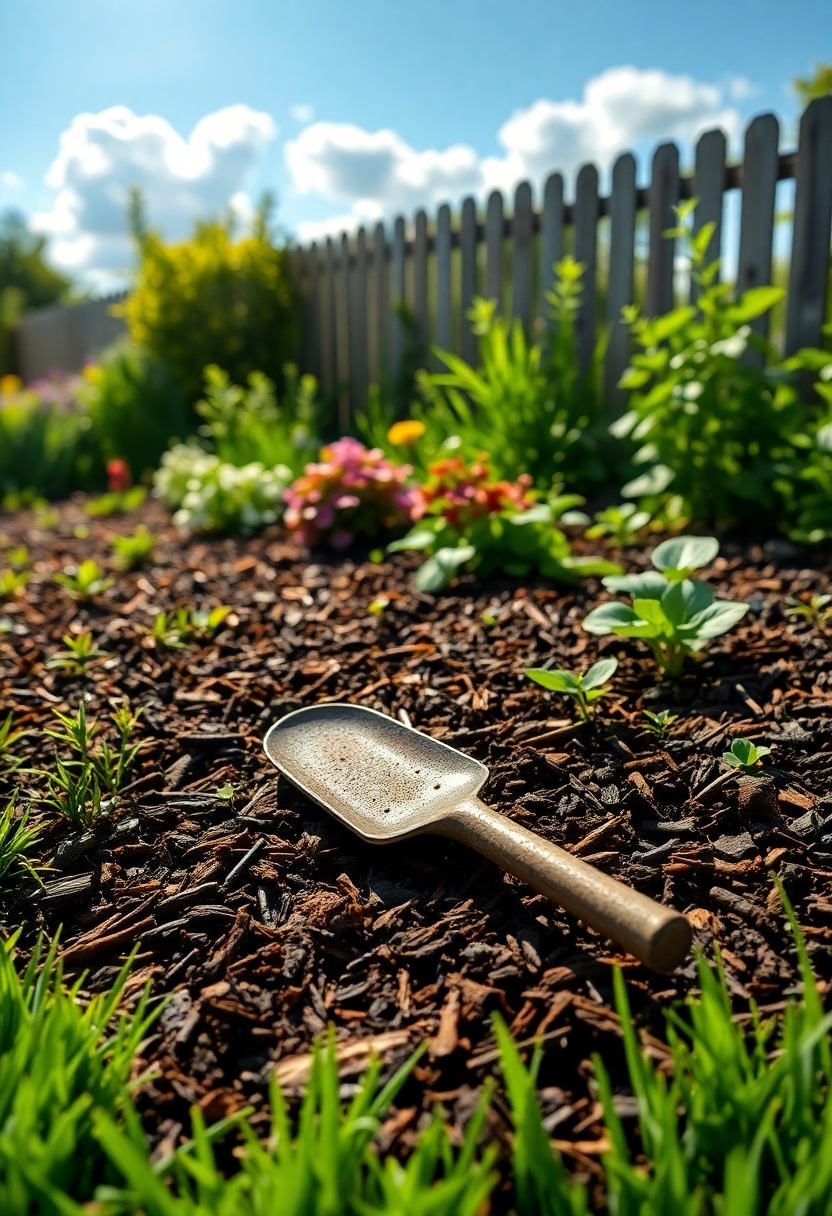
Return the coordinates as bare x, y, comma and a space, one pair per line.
267, 920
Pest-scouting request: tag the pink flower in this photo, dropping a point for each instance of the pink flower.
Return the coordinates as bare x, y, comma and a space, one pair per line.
368, 492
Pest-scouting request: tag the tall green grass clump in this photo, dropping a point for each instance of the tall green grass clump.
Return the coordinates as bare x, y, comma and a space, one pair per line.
64, 1062
321, 1164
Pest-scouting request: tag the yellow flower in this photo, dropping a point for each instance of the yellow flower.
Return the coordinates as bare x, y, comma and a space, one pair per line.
405, 432
92, 372
9, 385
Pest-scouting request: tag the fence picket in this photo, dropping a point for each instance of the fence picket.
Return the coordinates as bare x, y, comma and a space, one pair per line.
620, 280
759, 189
494, 248
664, 196
397, 299
326, 281
468, 287
420, 281
522, 227
551, 238
586, 252
709, 191
443, 278
343, 335
359, 380
809, 271
380, 329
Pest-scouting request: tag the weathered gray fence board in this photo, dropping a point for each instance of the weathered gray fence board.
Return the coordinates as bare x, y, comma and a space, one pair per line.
494, 248
709, 191
468, 286
380, 329
420, 280
327, 285
551, 238
397, 296
759, 191
444, 338
809, 271
343, 326
522, 226
620, 280
65, 338
359, 379
586, 252
664, 196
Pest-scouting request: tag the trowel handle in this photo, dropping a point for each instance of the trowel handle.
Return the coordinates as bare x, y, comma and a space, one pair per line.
657, 935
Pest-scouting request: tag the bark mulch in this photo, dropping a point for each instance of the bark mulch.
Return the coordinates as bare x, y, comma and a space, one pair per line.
267, 921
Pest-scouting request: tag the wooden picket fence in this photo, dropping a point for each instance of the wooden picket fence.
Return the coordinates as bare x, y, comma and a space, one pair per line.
378, 301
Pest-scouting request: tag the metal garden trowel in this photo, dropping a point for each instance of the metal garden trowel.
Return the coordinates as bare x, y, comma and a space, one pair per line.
388, 781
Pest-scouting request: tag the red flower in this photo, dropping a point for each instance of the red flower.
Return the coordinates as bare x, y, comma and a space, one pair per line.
119, 477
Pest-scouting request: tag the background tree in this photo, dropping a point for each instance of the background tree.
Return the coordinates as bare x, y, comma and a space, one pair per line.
819, 84
26, 281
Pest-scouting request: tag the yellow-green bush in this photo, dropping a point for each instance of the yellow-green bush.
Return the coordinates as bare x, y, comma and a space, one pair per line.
214, 299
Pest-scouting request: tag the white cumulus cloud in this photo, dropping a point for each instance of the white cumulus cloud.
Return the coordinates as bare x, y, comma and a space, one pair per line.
377, 173
102, 155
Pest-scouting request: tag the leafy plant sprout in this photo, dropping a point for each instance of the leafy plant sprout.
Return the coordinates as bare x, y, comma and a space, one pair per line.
622, 525
817, 610
117, 502
12, 582
81, 651
659, 724
109, 764
673, 613
173, 631
742, 758
583, 689
133, 552
84, 582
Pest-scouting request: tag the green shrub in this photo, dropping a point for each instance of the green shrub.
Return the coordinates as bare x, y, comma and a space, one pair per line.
214, 299
711, 427
806, 486
47, 446
247, 424
134, 407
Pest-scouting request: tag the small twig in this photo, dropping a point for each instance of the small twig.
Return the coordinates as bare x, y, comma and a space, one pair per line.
244, 862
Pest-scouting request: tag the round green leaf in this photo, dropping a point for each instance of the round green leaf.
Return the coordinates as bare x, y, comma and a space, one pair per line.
555, 681
685, 553
607, 618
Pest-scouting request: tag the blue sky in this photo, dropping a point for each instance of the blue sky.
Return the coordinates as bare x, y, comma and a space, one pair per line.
350, 111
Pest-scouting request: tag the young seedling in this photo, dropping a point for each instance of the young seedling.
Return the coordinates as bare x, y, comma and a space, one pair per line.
9, 762
109, 764
659, 724
622, 525
173, 632
207, 623
817, 610
116, 502
583, 689
12, 582
16, 841
84, 582
132, 552
81, 651
672, 612
742, 757
74, 792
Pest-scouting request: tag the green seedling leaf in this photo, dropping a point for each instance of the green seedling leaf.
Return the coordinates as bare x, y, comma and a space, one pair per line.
650, 585
439, 569
744, 754
582, 689
609, 618
680, 555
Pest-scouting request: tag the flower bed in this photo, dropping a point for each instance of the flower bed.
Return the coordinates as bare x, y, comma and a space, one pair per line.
266, 919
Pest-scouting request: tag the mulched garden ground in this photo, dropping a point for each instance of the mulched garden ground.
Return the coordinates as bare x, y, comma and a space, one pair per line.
267, 920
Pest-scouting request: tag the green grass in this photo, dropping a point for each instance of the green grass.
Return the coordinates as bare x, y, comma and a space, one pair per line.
737, 1123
